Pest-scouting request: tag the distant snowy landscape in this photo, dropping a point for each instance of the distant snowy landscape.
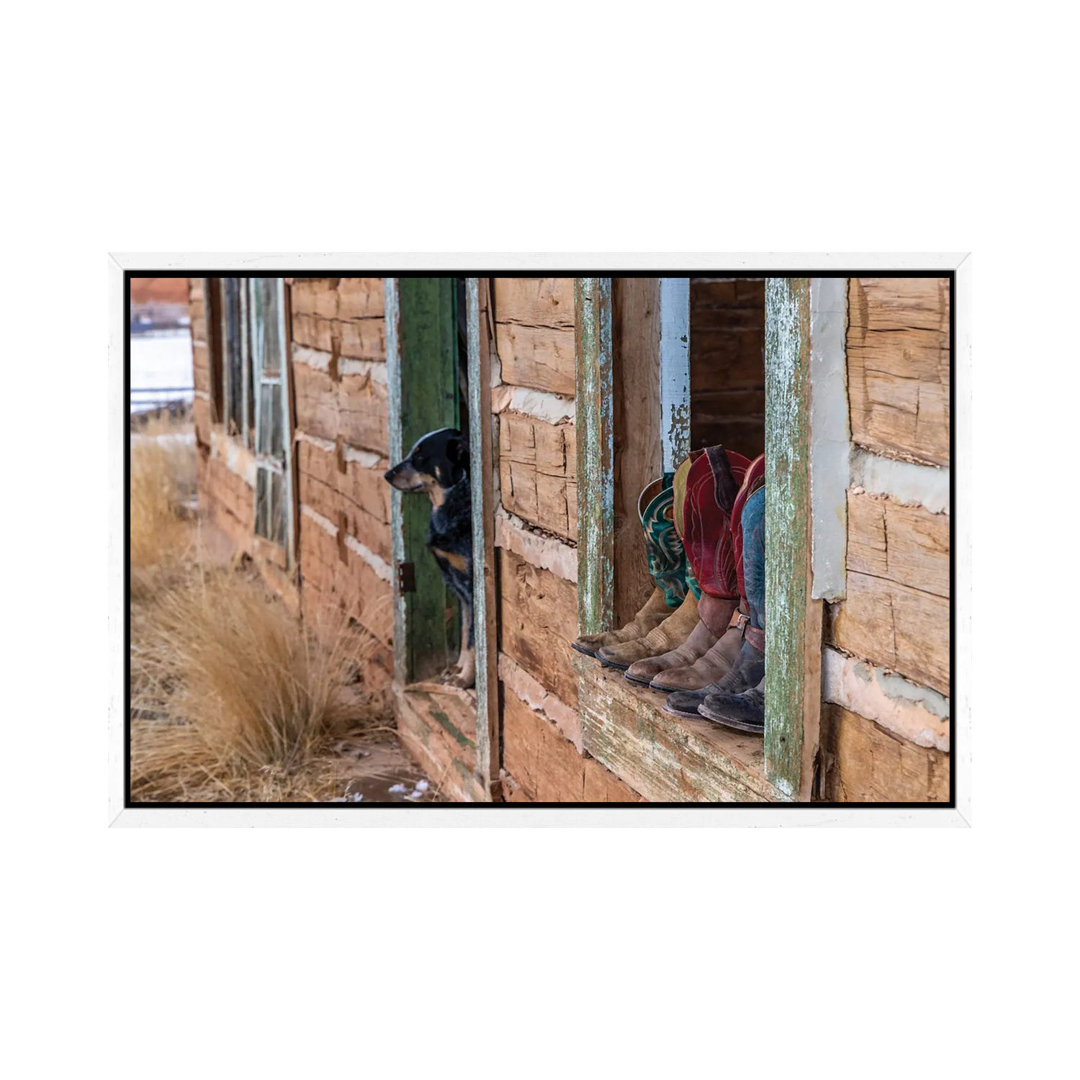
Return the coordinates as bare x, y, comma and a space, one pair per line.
160, 368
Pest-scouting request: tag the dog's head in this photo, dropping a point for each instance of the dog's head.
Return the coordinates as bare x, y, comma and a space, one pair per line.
436, 462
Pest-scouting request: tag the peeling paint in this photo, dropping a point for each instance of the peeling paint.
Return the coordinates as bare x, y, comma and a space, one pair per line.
830, 437
791, 704
397, 534
595, 441
913, 712
674, 371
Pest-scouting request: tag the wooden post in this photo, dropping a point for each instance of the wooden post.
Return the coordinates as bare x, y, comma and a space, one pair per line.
792, 617
674, 371
421, 371
596, 480
482, 472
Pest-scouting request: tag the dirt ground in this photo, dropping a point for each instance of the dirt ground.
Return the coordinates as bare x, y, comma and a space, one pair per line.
364, 765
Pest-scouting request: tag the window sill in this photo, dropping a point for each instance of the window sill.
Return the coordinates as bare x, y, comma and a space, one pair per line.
666, 758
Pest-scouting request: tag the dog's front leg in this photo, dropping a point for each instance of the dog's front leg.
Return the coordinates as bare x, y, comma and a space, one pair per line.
465, 675
466, 678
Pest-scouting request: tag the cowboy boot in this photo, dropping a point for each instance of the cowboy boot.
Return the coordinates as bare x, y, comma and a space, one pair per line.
687, 667
748, 671
708, 668
701, 641
667, 565
669, 634
720, 659
742, 712
706, 486
747, 632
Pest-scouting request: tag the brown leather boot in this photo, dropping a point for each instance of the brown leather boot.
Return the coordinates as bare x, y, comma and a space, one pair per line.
714, 616
713, 665
654, 612
721, 616
670, 634
700, 641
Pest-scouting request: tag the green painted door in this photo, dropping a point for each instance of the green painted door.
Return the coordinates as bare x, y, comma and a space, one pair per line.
422, 373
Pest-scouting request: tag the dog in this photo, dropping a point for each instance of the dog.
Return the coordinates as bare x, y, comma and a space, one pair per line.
438, 464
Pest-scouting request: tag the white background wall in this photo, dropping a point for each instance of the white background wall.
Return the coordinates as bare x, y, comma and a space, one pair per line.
687, 127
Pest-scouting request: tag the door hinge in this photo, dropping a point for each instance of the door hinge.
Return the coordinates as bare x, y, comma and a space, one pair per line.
406, 578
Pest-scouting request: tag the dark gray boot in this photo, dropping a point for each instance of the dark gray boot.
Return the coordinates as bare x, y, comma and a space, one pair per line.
743, 712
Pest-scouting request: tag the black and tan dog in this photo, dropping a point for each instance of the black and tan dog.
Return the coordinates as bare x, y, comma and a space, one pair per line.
439, 465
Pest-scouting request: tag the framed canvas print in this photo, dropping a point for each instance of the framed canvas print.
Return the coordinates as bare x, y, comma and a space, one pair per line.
580, 539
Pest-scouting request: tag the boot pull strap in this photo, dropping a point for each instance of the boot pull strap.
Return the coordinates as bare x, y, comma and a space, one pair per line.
739, 620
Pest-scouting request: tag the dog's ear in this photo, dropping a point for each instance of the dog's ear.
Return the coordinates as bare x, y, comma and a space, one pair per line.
457, 451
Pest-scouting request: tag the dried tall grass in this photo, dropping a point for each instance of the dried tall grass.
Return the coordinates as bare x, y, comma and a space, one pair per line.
162, 487
233, 698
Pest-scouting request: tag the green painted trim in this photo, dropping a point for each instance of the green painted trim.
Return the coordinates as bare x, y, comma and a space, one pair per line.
481, 473
595, 450
789, 645
421, 351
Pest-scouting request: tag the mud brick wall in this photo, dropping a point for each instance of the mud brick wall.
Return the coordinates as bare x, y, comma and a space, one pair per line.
338, 350
727, 364
884, 724
535, 376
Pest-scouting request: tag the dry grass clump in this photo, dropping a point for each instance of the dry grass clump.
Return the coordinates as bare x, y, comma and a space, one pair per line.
234, 700
162, 488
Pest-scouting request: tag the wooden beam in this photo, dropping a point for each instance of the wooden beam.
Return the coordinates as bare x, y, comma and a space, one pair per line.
482, 471
665, 758
595, 455
793, 617
674, 371
638, 452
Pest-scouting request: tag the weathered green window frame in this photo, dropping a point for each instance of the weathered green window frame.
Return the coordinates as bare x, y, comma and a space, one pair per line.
793, 642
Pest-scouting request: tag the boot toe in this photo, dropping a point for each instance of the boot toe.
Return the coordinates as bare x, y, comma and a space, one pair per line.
622, 656
742, 712
643, 671
685, 703
585, 647
609, 656
684, 678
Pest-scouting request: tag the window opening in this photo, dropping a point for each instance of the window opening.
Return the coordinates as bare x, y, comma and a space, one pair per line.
266, 312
